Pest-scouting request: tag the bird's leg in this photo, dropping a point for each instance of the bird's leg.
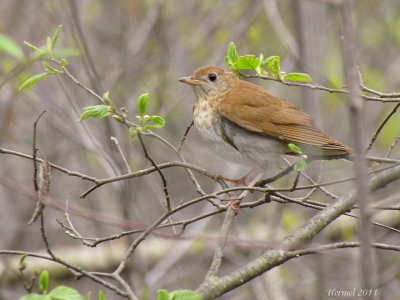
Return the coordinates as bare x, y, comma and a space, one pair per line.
239, 181
236, 203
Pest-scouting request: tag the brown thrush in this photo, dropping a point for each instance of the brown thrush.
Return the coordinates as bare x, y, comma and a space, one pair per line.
245, 123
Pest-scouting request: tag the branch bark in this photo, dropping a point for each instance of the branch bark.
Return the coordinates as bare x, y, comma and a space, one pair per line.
216, 286
357, 120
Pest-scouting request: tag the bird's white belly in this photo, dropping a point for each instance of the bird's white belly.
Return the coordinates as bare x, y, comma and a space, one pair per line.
219, 146
212, 134
249, 148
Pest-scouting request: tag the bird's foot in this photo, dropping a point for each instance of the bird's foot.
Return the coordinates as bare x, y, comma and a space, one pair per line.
235, 203
239, 181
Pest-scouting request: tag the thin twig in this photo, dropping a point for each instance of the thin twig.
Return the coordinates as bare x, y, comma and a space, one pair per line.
190, 173
163, 179
307, 85
265, 181
115, 140
44, 237
54, 166
74, 268
183, 138
70, 229
295, 182
77, 82
43, 191
39, 204
34, 151
343, 245
384, 98
187, 166
392, 146
377, 132
140, 239
383, 95
219, 251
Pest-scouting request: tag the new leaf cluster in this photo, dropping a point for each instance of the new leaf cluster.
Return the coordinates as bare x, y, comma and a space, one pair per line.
249, 62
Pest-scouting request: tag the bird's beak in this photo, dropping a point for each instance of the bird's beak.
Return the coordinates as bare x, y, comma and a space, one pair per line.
190, 80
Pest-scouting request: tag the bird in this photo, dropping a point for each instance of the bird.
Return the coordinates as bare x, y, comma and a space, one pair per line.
246, 124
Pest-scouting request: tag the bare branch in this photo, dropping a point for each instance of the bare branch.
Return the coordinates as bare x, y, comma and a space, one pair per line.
219, 251
378, 131
366, 259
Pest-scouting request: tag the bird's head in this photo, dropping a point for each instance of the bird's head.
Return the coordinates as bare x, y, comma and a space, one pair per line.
209, 80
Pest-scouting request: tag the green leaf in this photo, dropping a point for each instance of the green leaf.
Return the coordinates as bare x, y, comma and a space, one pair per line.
55, 37
49, 44
184, 295
63, 62
228, 62
134, 131
159, 122
301, 165
162, 295
43, 282
96, 111
273, 65
107, 100
8, 46
261, 58
142, 104
232, 52
295, 149
231, 66
88, 295
101, 295
49, 68
270, 60
248, 62
65, 293
297, 77
32, 80
231, 58
35, 297
33, 47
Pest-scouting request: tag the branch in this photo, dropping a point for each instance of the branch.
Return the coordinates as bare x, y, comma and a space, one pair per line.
100, 182
39, 191
54, 166
76, 269
219, 251
164, 180
343, 245
383, 98
211, 289
367, 263
371, 143
307, 85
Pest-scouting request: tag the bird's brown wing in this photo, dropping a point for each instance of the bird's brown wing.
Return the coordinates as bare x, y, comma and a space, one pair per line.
255, 109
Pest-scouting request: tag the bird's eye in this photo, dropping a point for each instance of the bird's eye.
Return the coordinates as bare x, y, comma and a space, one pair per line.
212, 77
